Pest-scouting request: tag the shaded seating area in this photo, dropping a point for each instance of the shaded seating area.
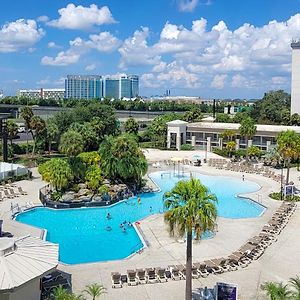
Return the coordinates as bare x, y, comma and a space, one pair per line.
252, 250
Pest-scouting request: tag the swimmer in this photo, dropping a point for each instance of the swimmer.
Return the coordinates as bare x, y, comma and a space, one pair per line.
243, 177
129, 224
139, 200
121, 225
108, 216
108, 228
150, 209
124, 222
124, 229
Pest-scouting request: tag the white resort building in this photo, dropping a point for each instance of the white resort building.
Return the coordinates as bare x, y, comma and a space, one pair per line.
207, 135
23, 262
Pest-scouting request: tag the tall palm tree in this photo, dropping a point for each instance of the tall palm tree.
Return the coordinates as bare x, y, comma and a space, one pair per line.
190, 208
95, 290
27, 114
289, 148
12, 130
295, 283
247, 130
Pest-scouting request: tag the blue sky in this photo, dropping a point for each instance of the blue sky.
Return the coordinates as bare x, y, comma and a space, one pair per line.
206, 48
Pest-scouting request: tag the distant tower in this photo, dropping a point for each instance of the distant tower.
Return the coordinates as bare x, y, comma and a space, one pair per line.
295, 101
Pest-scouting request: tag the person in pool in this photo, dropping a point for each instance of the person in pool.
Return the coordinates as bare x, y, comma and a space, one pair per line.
108, 216
139, 200
121, 225
123, 229
150, 209
129, 224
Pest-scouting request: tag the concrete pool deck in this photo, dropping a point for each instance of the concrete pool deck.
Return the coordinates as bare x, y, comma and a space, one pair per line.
279, 262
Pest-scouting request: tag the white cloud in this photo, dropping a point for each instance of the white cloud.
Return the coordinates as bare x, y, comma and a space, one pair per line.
63, 58
250, 55
219, 81
102, 42
53, 45
90, 67
187, 5
19, 35
43, 19
82, 18
135, 51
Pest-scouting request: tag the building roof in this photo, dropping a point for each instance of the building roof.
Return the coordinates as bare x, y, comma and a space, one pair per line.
177, 122
235, 126
24, 259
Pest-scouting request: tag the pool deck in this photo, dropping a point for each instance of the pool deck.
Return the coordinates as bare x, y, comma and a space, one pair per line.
279, 262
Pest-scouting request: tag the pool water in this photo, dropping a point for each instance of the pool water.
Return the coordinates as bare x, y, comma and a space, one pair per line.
83, 235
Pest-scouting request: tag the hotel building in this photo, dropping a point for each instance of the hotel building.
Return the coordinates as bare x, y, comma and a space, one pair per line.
208, 135
56, 94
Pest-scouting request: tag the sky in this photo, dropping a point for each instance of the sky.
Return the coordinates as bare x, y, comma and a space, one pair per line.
205, 48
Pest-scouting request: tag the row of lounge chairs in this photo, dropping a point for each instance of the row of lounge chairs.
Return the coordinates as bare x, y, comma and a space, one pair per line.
245, 168
250, 251
10, 192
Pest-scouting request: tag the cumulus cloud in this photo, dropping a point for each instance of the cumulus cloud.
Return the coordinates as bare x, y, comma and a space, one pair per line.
249, 55
102, 42
187, 5
219, 81
43, 19
53, 45
135, 51
19, 35
90, 67
63, 58
82, 18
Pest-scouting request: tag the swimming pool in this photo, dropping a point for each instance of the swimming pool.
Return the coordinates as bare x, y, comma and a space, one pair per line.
82, 233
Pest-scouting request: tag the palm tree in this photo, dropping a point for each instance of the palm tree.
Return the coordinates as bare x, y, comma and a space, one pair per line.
60, 293
52, 133
247, 130
289, 148
12, 130
230, 146
71, 143
27, 114
295, 283
190, 208
37, 127
277, 291
95, 290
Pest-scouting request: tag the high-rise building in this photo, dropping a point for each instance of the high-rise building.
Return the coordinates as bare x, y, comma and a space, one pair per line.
56, 94
1, 93
84, 87
295, 101
122, 86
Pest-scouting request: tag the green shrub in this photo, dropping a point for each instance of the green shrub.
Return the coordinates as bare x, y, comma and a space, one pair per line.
277, 196
188, 147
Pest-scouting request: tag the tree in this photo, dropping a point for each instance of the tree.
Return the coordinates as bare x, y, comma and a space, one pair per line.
71, 143
247, 130
277, 291
230, 146
253, 151
90, 158
295, 283
37, 128
131, 126
228, 134
27, 114
223, 118
121, 158
52, 133
60, 293
95, 290
12, 130
94, 178
57, 172
272, 108
288, 148
190, 208
194, 115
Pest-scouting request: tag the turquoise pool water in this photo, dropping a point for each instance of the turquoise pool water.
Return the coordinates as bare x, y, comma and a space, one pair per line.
82, 233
